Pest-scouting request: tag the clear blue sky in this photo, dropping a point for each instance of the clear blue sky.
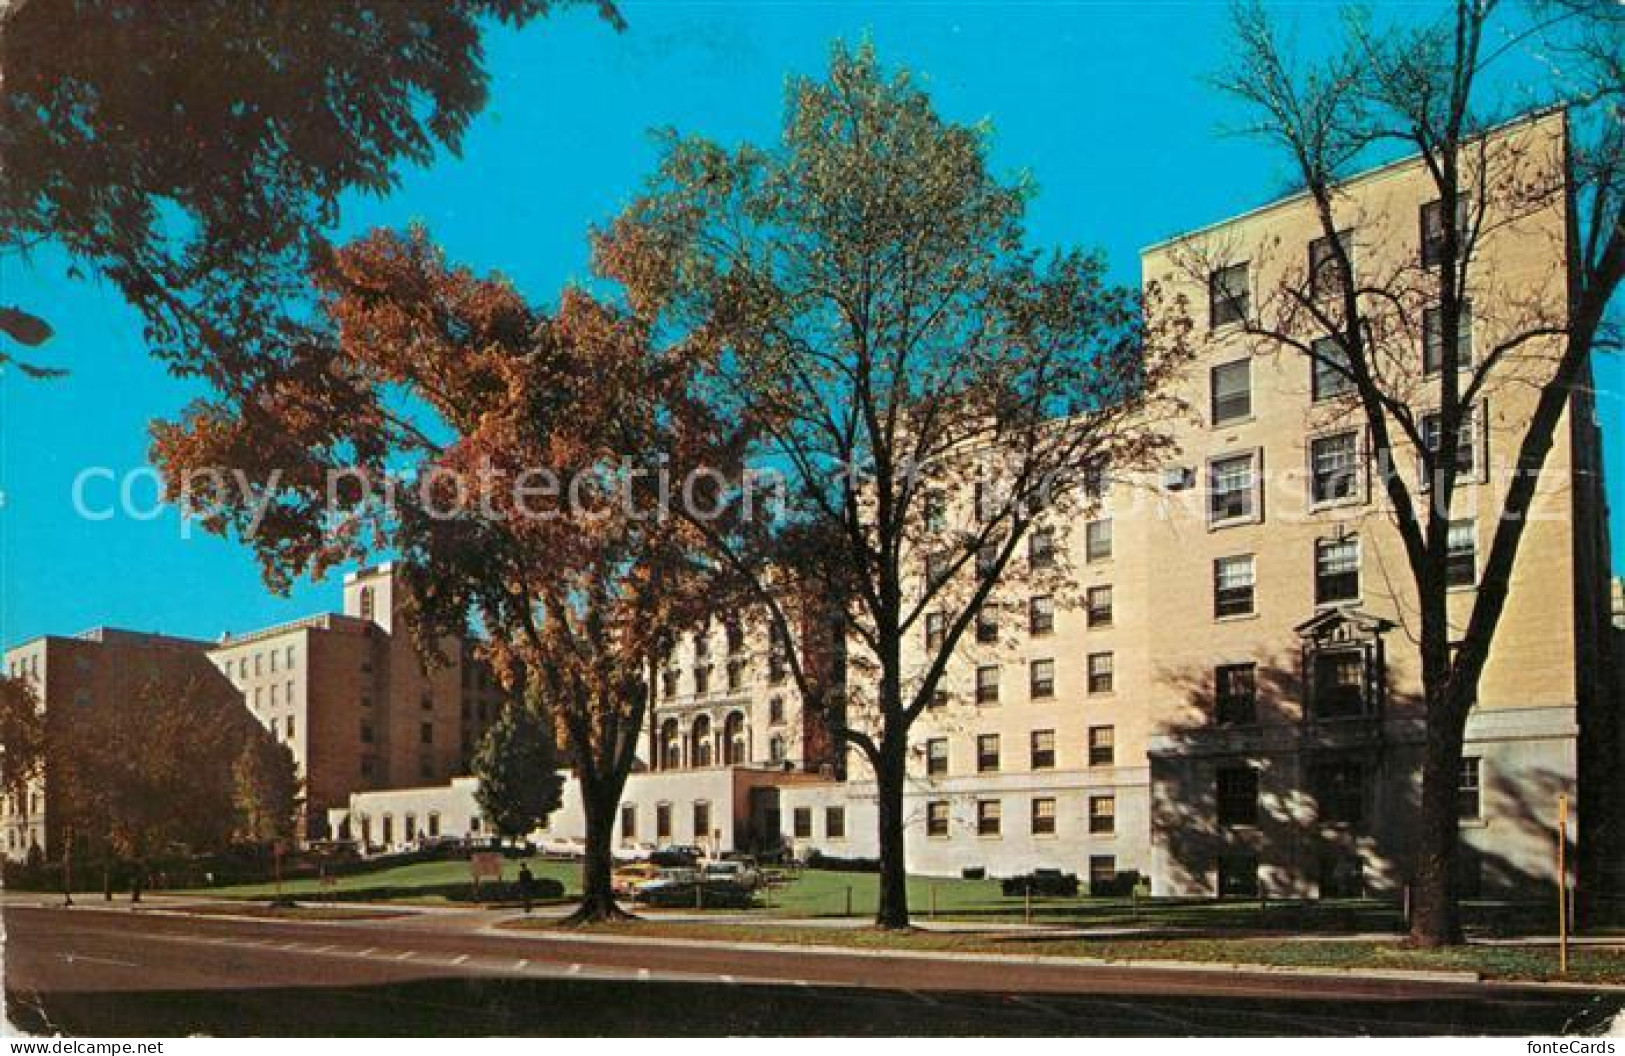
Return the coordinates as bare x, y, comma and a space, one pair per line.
1102, 102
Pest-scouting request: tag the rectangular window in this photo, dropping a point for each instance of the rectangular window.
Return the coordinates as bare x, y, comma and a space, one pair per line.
425, 733
989, 814
802, 821
1235, 693
987, 560
1233, 583
1232, 395
1237, 795
1461, 558
1044, 816
668, 682
987, 753
1102, 745
1043, 749
1466, 443
702, 820
1339, 686
936, 511
366, 732
1339, 793
1433, 339
1330, 375
1041, 548
1334, 467
936, 570
663, 821
629, 821
1041, 679
1102, 874
1232, 487
1041, 614
702, 679
936, 818
736, 675
1469, 798
1102, 815
1097, 539
1101, 672
1325, 271
1228, 295
835, 823
987, 625
1337, 571
291, 729
1098, 603
987, 685
936, 756
935, 631
1432, 224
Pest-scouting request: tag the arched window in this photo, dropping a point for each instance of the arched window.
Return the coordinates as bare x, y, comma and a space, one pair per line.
775, 749
700, 734
734, 749
671, 745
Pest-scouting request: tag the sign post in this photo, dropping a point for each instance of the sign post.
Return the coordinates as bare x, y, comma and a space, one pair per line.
485, 865
1562, 885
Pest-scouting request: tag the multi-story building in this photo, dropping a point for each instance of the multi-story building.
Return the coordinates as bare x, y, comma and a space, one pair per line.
101, 668
355, 702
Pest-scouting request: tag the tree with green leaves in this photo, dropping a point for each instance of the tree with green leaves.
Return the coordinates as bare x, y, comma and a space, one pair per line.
267, 787
518, 769
22, 735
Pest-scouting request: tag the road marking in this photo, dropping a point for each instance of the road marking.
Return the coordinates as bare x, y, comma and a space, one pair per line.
74, 957
461, 958
802, 982
575, 969
922, 997
405, 956
730, 980
321, 949
643, 975
367, 952
291, 946
521, 964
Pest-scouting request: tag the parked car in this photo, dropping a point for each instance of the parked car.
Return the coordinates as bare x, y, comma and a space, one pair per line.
676, 856
744, 873
563, 847
696, 892
628, 878
633, 852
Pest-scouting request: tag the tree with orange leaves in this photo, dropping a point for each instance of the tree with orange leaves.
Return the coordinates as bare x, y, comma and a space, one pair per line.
542, 451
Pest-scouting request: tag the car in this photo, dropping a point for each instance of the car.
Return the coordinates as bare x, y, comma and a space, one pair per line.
563, 847
744, 873
694, 893
632, 852
628, 878
675, 855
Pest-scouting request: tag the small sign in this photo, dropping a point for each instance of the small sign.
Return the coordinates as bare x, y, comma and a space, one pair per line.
486, 865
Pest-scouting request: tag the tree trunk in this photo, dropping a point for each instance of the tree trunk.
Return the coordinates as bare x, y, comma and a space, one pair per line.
1435, 917
889, 780
599, 800
136, 878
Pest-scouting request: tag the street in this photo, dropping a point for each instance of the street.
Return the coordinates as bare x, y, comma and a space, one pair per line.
94, 970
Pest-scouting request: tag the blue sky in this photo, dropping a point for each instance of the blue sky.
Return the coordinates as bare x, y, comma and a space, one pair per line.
1102, 102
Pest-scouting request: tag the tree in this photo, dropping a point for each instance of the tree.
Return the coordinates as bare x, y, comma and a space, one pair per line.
518, 770
265, 779
1429, 88
540, 450
874, 316
192, 154
22, 735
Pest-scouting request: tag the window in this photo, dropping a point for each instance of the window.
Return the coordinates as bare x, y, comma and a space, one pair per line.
1232, 395
1467, 439
987, 560
1043, 749
988, 816
936, 570
1041, 614
1102, 874
1433, 339
1469, 800
987, 625
1098, 602
702, 644
426, 702
1227, 295
273, 661
1339, 793
936, 818
1334, 468
1235, 693
425, 732
775, 749
1041, 679
736, 637
1041, 548
411, 827
1102, 815
987, 685
702, 820
1043, 816
936, 756
1231, 489
1329, 374
1097, 539
291, 729
1233, 582
629, 821
366, 605
835, 823
274, 689
1237, 795
1102, 745
1325, 271
668, 682
802, 822
1337, 571
663, 821
1339, 686
987, 753
702, 679
935, 630
1461, 557
1432, 223
775, 711
736, 675
1100, 672
425, 768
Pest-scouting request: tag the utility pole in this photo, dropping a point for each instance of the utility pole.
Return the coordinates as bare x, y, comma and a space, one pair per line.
1562, 885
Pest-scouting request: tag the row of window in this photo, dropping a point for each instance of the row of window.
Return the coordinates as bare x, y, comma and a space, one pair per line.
778, 670
801, 823
1341, 790
278, 693
699, 819
1100, 678
254, 666
1098, 612
1041, 817
1102, 751
410, 833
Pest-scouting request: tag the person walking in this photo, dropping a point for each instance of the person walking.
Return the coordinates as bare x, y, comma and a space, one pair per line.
527, 885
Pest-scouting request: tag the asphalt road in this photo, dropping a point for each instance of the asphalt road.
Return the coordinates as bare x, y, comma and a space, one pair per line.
91, 971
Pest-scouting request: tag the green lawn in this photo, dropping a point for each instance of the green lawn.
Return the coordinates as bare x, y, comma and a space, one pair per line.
434, 882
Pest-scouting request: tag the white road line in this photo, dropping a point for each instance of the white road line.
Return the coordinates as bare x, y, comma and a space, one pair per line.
575, 969
367, 952
643, 975
521, 964
802, 982
405, 956
72, 958
461, 958
730, 980
321, 949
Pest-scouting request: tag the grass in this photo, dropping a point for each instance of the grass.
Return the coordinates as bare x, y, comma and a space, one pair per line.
418, 883
1512, 963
